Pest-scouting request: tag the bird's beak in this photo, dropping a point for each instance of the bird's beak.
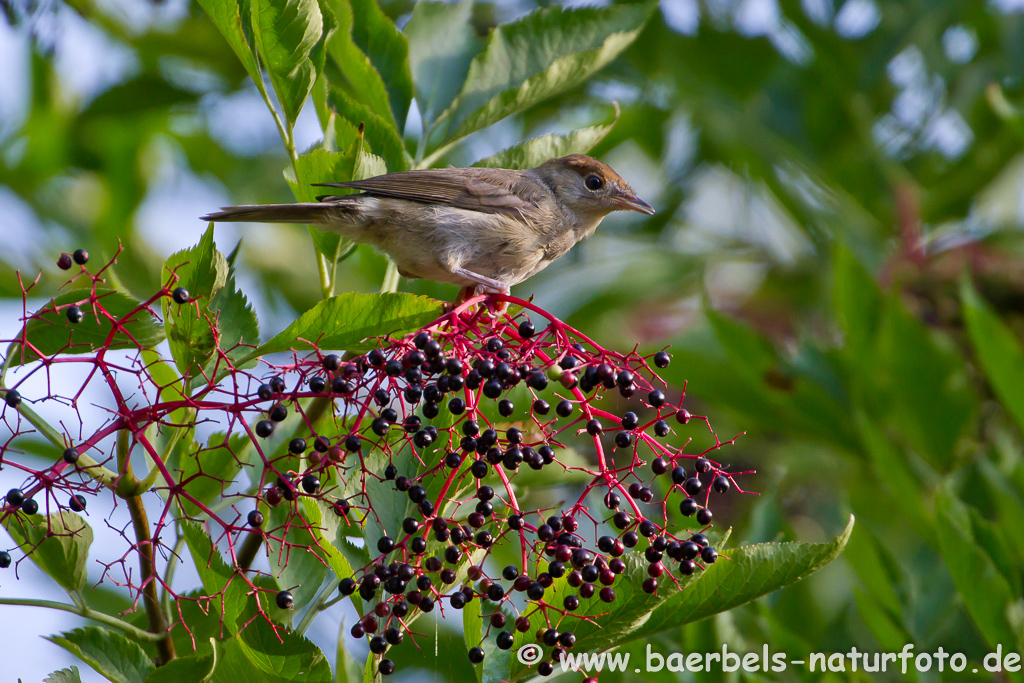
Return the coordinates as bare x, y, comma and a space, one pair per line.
631, 202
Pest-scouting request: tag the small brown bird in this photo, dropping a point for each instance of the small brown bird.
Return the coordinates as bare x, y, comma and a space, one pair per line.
486, 228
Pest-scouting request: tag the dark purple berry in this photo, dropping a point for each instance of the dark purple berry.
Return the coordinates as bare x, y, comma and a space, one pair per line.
285, 600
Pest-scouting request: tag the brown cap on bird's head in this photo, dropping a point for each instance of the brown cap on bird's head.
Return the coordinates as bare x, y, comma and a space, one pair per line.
591, 182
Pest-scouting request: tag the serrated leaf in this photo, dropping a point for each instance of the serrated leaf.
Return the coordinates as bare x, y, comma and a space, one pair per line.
984, 589
238, 328
319, 166
741, 575
203, 271
542, 54
218, 578
324, 526
262, 652
285, 32
538, 150
298, 564
322, 166
387, 509
1000, 355
359, 77
376, 36
442, 43
227, 17
347, 320
380, 132
194, 668
69, 675
58, 544
49, 332
112, 655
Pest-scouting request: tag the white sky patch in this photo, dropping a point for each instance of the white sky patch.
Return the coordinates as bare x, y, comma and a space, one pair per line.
960, 44
819, 11
857, 18
682, 16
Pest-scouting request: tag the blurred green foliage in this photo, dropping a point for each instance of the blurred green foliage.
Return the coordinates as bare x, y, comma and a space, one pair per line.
836, 260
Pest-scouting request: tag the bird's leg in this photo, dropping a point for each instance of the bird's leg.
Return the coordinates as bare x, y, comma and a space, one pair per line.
465, 294
484, 284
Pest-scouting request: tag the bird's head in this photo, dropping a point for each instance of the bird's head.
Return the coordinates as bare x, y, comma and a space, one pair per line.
590, 187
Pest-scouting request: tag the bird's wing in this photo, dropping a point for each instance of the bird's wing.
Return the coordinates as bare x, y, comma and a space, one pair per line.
475, 189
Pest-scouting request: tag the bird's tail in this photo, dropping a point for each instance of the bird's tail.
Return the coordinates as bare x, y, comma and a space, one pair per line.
310, 212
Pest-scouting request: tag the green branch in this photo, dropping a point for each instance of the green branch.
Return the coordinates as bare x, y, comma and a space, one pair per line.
83, 611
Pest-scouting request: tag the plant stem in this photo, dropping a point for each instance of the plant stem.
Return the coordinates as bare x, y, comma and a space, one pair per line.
317, 606
83, 611
391, 278
250, 546
147, 564
326, 276
128, 488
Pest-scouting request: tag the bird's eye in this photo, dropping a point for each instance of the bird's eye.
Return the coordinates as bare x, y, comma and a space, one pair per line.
593, 182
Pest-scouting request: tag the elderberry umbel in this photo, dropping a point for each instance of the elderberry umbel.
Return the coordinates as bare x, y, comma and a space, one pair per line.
418, 445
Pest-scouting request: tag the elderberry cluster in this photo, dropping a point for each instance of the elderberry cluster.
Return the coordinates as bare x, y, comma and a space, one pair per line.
441, 423
448, 396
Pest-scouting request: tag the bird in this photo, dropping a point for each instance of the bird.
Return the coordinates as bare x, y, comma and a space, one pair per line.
484, 229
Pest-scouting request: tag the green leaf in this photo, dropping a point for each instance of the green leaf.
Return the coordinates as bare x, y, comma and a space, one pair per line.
238, 328
58, 544
473, 630
442, 43
890, 467
538, 56
114, 656
323, 524
194, 668
50, 332
999, 353
739, 576
358, 77
271, 654
226, 587
380, 133
227, 17
286, 31
322, 166
875, 568
203, 271
538, 150
171, 388
857, 302
347, 320
375, 34
319, 166
205, 472
298, 564
884, 627
984, 590
924, 379
69, 675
